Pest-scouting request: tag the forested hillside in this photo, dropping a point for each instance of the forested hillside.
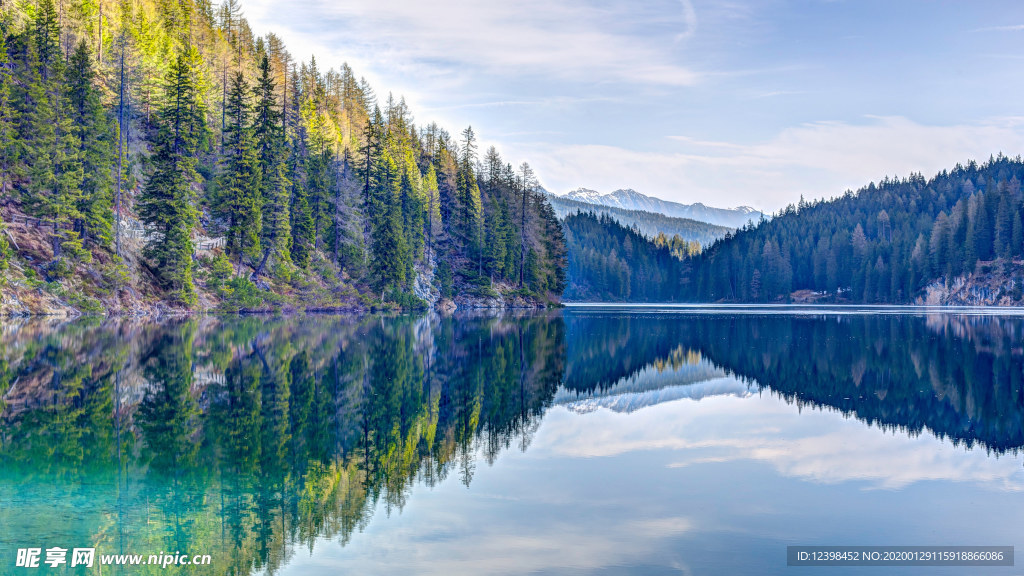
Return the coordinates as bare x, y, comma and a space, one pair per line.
650, 224
160, 151
898, 241
609, 262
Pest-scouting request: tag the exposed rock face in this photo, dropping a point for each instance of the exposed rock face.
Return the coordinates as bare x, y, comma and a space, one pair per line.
466, 302
16, 299
423, 285
996, 283
425, 288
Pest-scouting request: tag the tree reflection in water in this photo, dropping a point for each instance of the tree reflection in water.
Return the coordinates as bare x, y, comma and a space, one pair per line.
251, 438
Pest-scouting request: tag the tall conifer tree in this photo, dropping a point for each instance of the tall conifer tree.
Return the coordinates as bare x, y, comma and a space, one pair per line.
167, 204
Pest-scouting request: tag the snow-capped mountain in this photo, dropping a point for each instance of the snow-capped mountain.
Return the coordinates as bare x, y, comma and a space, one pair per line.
654, 385
633, 200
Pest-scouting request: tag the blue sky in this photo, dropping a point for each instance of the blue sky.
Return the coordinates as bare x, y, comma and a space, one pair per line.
720, 102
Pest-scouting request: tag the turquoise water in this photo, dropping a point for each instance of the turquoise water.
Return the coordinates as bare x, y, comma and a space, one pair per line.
584, 441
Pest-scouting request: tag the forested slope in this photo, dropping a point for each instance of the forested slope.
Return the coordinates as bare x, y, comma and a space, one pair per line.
242, 176
609, 262
898, 241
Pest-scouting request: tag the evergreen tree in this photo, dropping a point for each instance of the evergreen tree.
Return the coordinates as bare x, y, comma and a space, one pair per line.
469, 222
167, 204
268, 133
389, 248
433, 209
55, 172
95, 135
324, 171
413, 209
370, 168
302, 216
240, 200
8, 147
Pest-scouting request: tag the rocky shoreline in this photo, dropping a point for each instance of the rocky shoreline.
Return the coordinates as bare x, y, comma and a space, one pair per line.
18, 301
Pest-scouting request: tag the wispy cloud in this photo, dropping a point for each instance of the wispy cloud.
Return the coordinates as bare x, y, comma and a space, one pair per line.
816, 160
557, 101
1009, 28
572, 38
603, 93
689, 21
823, 447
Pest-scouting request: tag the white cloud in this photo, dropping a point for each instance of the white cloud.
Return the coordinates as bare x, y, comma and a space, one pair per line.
819, 159
571, 38
818, 446
551, 71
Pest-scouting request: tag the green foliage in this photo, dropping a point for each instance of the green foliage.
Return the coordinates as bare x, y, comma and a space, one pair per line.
167, 204
8, 142
405, 300
301, 216
219, 273
5, 254
390, 251
241, 294
884, 243
84, 303
239, 199
115, 273
680, 248
609, 262
32, 279
96, 140
309, 168
274, 186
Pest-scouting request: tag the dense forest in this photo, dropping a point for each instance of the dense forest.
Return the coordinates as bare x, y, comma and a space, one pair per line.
888, 242
650, 224
610, 262
161, 148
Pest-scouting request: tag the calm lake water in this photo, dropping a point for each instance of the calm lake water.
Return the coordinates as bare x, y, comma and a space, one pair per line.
584, 441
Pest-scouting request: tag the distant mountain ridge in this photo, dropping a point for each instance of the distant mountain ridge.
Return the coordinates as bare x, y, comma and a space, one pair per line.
630, 199
650, 224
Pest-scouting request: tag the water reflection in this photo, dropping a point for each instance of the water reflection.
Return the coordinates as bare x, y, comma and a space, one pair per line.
959, 376
255, 439
246, 438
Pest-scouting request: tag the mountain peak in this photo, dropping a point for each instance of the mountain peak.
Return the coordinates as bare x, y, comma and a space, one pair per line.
630, 199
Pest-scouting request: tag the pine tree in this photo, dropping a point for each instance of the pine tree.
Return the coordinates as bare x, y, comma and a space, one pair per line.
526, 185
433, 210
468, 228
301, 215
268, 133
389, 249
95, 136
495, 247
55, 172
46, 31
369, 155
240, 200
1003, 226
555, 248
8, 148
167, 204
1017, 242
412, 209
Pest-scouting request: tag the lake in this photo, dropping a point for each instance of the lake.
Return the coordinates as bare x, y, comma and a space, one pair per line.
590, 440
